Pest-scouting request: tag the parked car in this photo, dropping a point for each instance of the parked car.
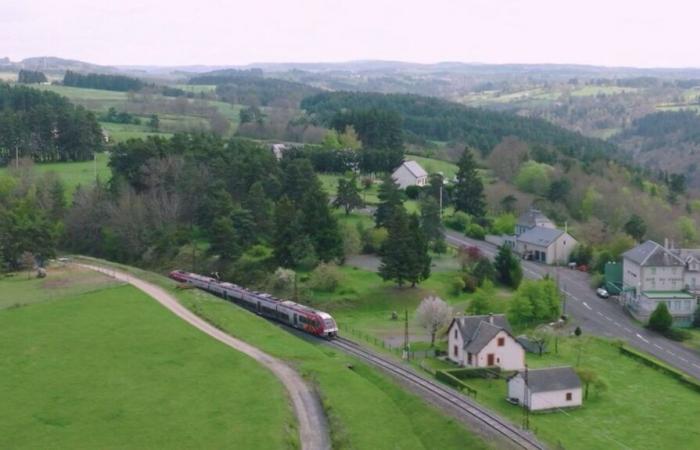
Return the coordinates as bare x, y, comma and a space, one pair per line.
602, 293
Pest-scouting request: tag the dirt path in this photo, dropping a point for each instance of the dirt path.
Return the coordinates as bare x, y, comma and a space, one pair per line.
313, 428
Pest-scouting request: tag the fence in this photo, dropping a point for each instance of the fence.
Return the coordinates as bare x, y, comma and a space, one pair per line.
398, 350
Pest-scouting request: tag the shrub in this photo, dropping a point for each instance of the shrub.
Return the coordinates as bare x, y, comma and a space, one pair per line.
660, 319
504, 224
373, 238
282, 280
325, 278
352, 241
534, 177
457, 285
597, 280
412, 192
459, 221
476, 231
678, 334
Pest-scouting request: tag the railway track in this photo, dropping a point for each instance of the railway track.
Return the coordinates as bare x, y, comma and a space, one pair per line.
506, 430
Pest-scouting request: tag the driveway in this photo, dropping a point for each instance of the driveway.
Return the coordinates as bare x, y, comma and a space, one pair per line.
597, 316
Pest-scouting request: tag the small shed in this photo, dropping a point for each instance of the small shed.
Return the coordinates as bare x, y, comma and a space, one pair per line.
547, 388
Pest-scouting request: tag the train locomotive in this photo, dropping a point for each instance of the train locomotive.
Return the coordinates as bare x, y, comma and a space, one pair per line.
302, 317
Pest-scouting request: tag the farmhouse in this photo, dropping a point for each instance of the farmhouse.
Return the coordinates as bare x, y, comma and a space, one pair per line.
484, 341
548, 388
545, 244
653, 273
410, 173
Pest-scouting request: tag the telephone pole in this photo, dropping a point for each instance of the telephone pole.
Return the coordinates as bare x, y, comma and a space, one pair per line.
406, 346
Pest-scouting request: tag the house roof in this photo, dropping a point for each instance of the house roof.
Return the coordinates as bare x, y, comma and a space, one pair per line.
478, 331
532, 217
415, 169
652, 254
540, 236
551, 379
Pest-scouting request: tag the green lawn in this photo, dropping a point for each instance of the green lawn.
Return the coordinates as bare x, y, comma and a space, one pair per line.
112, 369
431, 165
366, 409
641, 409
76, 173
119, 132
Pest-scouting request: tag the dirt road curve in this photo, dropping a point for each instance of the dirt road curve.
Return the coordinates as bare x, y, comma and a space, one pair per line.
313, 428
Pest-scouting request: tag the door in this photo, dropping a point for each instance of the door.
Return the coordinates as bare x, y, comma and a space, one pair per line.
258, 307
295, 320
490, 359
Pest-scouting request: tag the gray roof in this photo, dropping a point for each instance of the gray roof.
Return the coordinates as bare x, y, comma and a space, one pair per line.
551, 379
540, 236
532, 217
652, 254
415, 169
478, 331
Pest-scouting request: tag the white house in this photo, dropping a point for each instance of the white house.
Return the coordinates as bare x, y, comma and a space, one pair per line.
484, 341
548, 388
653, 273
278, 150
544, 244
410, 173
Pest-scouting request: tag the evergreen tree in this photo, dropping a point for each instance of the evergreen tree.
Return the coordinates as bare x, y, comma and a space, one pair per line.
288, 231
660, 320
432, 224
419, 262
396, 249
469, 189
261, 209
223, 239
389, 201
508, 269
636, 227
348, 195
320, 225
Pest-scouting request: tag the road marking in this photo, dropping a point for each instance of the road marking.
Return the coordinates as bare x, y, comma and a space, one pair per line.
695, 365
600, 314
627, 329
658, 346
683, 359
608, 318
616, 323
642, 338
586, 305
670, 353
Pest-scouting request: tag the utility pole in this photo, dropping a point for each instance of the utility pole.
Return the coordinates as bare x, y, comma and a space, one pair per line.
526, 403
296, 291
441, 183
94, 164
16, 156
406, 347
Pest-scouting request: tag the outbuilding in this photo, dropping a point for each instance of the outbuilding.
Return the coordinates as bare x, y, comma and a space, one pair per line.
410, 173
546, 245
547, 388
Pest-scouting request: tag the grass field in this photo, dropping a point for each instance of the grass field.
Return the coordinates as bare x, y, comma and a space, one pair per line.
109, 368
641, 409
366, 409
119, 132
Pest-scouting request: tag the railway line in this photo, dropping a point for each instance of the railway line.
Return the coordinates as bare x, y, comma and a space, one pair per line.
498, 426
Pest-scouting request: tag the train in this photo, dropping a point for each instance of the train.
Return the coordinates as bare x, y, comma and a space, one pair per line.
298, 316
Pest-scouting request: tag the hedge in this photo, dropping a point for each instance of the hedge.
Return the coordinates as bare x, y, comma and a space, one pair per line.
475, 372
651, 362
453, 381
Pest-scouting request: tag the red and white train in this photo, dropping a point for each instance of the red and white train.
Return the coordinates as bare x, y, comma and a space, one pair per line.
293, 314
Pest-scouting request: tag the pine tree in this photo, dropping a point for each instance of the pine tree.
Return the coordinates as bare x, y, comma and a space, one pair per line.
320, 225
389, 200
261, 208
469, 189
288, 231
419, 263
223, 239
396, 249
348, 195
508, 269
432, 224
660, 320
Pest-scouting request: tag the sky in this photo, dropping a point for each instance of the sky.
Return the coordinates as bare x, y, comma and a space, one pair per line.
640, 33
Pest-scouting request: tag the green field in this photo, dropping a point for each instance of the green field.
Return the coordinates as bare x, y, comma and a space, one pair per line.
119, 132
366, 409
110, 368
641, 408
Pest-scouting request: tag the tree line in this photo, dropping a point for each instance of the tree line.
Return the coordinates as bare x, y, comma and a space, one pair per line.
31, 76
45, 127
106, 82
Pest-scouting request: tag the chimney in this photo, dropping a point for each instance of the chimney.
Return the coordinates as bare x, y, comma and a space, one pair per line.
491, 318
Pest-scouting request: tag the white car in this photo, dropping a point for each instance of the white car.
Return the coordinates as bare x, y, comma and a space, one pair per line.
602, 293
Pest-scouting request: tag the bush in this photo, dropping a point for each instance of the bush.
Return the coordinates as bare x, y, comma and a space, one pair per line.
457, 285
476, 231
412, 192
455, 382
282, 281
325, 278
373, 238
597, 280
504, 224
352, 241
660, 319
459, 221
678, 334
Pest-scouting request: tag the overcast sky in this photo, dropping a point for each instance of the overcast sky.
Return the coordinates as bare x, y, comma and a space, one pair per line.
644, 33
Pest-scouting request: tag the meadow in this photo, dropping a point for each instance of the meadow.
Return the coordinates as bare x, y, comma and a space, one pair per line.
87, 363
366, 409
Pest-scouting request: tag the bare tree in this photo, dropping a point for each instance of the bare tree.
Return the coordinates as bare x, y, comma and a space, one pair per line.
432, 314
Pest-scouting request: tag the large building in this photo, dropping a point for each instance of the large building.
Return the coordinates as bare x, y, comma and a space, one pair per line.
653, 273
410, 173
484, 341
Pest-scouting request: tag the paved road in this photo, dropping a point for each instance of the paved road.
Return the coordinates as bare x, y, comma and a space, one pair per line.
597, 316
313, 428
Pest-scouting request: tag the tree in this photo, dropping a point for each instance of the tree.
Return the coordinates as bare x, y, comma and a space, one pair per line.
636, 227
320, 225
508, 203
348, 195
419, 263
535, 301
154, 122
288, 231
590, 378
483, 271
541, 338
469, 189
396, 249
481, 300
533, 177
559, 190
508, 269
660, 320
433, 314
223, 239
28, 262
389, 201
432, 224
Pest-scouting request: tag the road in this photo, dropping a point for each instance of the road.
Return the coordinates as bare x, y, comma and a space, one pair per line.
597, 316
313, 427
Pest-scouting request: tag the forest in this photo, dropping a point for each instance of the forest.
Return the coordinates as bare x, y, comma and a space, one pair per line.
45, 127
440, 120
30, 76
106, 82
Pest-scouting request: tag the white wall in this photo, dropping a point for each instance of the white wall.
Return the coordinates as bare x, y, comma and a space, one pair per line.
404, 177
455, 341
662, 278
555, 399
516, 388
509, 357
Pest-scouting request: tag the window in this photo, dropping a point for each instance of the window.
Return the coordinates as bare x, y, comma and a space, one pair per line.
455, 333
469, 358
569, 396
455, 350
501, 341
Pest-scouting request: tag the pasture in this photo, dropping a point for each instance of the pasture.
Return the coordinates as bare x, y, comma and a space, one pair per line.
99, 365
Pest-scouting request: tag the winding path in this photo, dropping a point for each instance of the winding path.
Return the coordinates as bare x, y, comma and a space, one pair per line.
313, 427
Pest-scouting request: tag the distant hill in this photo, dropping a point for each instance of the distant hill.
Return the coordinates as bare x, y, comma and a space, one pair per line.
54, 64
